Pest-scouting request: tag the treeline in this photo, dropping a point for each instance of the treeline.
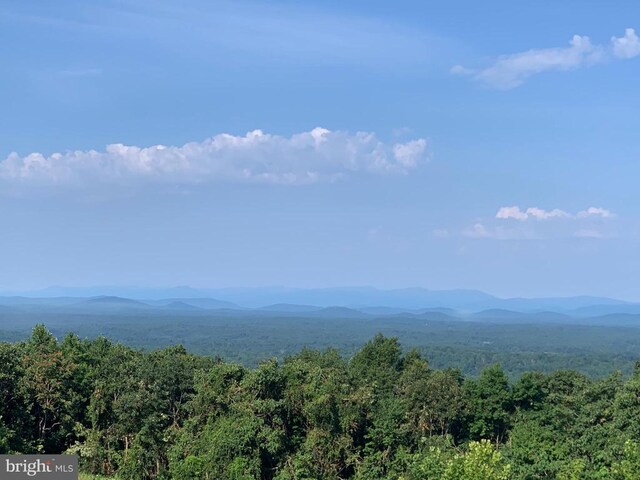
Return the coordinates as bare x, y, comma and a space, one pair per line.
381, 414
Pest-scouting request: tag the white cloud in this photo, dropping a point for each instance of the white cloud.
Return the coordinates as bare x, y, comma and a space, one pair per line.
509, 71
516, 213
409, 154
303, 158
534, 223
595, 212
541, 214
512, 70
511, 212
627, 46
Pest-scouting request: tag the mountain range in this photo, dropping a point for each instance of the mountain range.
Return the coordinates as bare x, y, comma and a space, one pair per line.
349, 302
353, 297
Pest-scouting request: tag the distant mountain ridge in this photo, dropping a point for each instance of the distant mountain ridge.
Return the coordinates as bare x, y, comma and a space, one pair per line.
364, 300
113, 300
613, 314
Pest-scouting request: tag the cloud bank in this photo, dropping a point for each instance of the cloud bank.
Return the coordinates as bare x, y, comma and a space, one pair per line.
319, 155
509, 71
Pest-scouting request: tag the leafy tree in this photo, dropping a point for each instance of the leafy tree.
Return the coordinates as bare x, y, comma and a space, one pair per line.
48, 381
377, 364
434, 400
627, 468
15, 416
490, 405
480, 462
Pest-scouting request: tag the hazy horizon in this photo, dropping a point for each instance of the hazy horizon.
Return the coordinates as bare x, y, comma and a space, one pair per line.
137, 291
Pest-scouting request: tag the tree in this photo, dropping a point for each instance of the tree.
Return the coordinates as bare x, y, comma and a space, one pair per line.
628, 467
48, 382
377, 364
490, 405
433, 399
15, 417
480, 462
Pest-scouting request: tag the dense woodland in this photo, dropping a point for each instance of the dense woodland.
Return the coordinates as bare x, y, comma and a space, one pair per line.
380, 414
519, 347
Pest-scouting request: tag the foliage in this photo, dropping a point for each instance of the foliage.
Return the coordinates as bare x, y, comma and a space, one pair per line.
382, 414
248, 337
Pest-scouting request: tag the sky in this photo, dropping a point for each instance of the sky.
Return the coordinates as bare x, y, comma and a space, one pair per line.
446, 144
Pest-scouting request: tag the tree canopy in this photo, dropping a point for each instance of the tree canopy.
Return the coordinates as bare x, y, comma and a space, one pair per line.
381, 414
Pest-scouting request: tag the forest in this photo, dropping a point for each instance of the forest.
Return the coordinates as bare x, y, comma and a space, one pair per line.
382, 413
468, 345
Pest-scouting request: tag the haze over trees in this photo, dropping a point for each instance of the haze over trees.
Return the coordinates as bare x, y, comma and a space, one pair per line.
592, 338
384, 413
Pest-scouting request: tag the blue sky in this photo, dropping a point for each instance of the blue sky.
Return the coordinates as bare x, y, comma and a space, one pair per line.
435, 144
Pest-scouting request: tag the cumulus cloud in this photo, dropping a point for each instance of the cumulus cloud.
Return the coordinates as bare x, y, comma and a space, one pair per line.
509, 71
257, 157
542, 214
627, 46
595, 212
514, 212
409, 154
